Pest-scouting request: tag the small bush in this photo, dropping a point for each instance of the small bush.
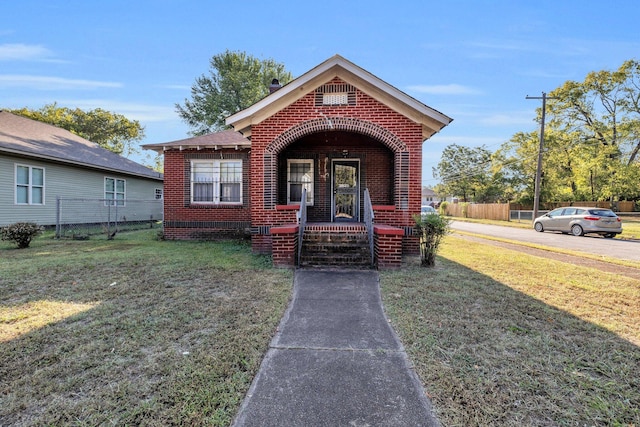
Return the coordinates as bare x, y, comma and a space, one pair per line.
21, 233
443, 207
431, 229
465, 209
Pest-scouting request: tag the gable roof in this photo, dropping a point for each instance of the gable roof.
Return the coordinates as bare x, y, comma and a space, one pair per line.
26, 137
216, 140
337, 66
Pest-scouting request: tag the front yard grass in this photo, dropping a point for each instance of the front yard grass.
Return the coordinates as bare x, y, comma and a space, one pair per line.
500, 337
133, 331
137, 331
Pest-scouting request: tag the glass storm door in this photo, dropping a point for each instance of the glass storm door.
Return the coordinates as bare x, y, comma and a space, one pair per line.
346, 190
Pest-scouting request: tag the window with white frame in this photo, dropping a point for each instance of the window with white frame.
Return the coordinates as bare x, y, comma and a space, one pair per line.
158, 194
216, 181
29, 185
299, 177
114, 191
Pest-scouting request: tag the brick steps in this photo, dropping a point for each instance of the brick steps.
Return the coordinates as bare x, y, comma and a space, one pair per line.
335, 245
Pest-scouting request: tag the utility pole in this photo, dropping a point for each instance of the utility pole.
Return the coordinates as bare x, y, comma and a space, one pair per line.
536, 195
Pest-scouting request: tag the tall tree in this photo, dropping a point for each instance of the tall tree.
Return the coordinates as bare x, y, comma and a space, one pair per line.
592, 141
466, 172
236, 81
602, 117
109, 130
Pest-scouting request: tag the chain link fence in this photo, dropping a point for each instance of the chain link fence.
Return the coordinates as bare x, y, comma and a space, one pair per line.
81, 218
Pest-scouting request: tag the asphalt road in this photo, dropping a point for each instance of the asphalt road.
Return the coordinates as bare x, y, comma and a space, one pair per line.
613, 248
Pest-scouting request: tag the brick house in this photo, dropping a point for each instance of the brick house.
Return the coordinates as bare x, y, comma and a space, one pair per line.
350, 140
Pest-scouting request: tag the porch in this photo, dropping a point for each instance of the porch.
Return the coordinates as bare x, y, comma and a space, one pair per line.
337, 244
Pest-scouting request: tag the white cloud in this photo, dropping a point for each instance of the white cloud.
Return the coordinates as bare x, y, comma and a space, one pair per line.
509, 119
176, 87
450, 89
24, 52
133, 111
52, 83
468, 141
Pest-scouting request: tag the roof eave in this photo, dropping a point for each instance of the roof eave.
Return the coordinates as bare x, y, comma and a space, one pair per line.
161, 148
76, 163
338, 66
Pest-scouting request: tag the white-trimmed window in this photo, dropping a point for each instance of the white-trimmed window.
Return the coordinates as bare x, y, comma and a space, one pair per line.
114, 191
216, 181
299, 176
158, 194
29, 185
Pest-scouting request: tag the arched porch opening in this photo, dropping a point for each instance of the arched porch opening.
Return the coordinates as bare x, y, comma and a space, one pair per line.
379, 157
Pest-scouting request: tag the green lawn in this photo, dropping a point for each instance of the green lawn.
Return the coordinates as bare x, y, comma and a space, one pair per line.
500, 337
137, 331
133, 331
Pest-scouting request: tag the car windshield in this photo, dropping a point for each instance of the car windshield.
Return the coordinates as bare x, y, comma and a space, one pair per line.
602, 212
427, 209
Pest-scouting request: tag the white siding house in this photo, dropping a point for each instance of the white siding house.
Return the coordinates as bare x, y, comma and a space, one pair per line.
40, 163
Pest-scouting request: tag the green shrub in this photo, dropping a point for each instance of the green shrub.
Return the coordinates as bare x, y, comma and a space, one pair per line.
431, 229
465, 209
20, 233
443, 207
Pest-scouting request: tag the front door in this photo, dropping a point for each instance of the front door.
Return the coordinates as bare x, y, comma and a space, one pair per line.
346, 190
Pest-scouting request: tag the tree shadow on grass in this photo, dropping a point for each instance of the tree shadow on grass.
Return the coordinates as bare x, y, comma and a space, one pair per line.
491, 355
152, 345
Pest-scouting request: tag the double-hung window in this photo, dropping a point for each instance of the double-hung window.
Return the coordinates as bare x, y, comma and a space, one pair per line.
29, 185
299, 177
114, 192
216, 181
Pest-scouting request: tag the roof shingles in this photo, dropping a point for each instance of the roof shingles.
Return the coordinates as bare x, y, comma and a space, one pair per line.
26, 137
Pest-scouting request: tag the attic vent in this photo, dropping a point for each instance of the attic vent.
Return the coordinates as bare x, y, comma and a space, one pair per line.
335, 94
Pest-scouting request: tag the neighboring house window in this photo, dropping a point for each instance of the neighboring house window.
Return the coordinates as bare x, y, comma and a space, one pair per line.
114, 192
216, 181
29, 185
158, 194
299, 176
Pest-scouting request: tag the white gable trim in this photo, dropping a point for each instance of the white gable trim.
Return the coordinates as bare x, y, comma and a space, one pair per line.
337, 66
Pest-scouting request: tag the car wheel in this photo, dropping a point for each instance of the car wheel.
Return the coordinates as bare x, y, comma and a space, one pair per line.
610, 235
538, 227
576, 230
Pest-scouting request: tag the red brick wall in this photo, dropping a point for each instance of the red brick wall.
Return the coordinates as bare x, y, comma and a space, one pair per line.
366, 108
379, 163
184, 220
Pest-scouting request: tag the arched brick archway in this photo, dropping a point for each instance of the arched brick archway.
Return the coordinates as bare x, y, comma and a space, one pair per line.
348, 124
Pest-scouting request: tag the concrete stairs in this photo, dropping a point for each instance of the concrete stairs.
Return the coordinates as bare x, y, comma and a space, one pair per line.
335, 245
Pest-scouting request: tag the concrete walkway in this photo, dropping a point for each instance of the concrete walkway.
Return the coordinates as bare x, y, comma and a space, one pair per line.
335, 361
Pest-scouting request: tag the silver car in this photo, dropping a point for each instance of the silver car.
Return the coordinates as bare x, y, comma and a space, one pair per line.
579, 221
427, 210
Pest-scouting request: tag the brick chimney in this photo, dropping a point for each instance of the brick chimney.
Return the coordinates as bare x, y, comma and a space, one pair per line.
275, 85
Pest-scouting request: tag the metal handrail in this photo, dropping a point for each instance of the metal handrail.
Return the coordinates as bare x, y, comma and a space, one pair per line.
368, 222
302, 222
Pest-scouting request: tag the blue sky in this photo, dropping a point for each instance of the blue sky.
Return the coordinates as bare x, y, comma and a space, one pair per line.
475, 61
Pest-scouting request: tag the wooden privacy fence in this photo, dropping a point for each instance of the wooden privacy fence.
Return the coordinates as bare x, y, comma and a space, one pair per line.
496, 211
501, 211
